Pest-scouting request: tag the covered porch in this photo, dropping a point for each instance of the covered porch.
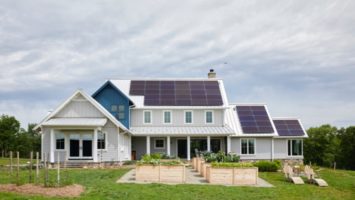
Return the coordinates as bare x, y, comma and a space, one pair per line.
73, 139
179, 142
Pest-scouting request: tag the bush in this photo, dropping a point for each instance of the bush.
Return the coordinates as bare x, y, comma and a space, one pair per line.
267, 166
231, 165
220, 157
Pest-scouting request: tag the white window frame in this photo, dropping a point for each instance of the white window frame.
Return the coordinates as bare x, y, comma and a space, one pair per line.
241, 147
97, 142
295, 156
192, 116
171, 116
206, 117
151, 117
155, 143
65, 145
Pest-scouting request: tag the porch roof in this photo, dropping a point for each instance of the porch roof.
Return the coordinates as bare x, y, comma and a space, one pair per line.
178, 131
75, 122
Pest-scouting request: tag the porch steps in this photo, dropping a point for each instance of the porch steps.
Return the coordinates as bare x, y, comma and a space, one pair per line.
75, 164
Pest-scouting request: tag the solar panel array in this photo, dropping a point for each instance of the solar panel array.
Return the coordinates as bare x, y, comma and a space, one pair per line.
254, 119
289, 127
178, 93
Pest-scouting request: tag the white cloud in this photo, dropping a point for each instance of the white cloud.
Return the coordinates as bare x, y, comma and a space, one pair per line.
297, 56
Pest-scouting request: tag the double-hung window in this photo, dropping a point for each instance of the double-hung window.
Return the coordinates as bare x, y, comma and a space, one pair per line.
101, 140
295, 147
60, 141
167, 117
188, 117
209, 117
147, 117
248, 146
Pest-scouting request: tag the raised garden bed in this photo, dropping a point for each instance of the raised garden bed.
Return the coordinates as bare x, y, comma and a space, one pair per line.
161, 173
232, 174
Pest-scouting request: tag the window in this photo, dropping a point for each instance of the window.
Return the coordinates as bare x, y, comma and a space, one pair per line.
188, 117
101, 140
114, 108
167, 117
248, 146
121, 112
295, 147
159, 144
209, 117
147, 117
60, 141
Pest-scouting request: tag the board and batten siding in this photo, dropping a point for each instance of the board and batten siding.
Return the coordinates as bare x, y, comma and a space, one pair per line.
178, 117
80, 108
262, 149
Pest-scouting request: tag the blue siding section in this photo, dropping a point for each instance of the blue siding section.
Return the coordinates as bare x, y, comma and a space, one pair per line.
109, 95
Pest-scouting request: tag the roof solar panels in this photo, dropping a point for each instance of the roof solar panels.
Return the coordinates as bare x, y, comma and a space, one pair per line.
178, 93
289, 127
254, 119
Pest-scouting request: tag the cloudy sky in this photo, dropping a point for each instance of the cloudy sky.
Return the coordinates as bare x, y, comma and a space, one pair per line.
296, 56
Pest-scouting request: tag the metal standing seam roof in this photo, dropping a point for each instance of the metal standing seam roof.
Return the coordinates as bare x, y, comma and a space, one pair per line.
173, 130
76, 122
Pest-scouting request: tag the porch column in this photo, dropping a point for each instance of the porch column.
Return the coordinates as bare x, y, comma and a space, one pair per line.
208, 143
148, 145
229, 144
168, 145
52, 145
188, 148
95, 145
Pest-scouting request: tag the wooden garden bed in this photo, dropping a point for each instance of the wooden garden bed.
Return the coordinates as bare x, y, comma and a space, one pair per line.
232, 176
161, 173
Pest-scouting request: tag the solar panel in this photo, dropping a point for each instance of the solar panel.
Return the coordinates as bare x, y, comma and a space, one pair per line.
254, 119
178, 93
289, 127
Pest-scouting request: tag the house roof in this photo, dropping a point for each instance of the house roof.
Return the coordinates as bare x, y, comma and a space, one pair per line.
234, 121
289, 127
88, 98
139, 100
182, 131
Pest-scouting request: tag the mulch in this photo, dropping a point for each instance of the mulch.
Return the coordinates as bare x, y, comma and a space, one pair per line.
67, 191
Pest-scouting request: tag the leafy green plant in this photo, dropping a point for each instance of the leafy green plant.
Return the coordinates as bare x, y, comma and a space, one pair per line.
231, 165
220, 157
267, 166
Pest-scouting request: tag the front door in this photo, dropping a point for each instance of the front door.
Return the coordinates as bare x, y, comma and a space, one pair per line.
80, 146
215, 145
182, 148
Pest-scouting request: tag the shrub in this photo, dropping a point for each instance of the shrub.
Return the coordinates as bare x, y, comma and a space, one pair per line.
220, 157
231, 165
157, 156
266, 166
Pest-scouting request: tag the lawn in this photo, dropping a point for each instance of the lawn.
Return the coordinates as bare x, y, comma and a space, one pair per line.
6, 161
101, 184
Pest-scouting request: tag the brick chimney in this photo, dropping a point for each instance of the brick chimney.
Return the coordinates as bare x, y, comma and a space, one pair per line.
211, 74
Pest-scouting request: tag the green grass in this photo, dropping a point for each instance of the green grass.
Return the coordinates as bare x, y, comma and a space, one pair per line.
6, 161
101, 184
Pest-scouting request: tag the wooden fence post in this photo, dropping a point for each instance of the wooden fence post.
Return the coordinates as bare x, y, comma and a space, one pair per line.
31, 160
18, 167
58, 168
37, 167
11, 170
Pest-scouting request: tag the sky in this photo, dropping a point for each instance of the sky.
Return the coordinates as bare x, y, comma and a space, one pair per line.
298, 56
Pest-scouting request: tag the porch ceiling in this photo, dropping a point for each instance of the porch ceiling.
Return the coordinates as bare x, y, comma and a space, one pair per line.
206, 130
76, 122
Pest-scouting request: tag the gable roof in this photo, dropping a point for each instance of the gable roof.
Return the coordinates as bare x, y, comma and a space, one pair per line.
113, 86
92, 101
139, 100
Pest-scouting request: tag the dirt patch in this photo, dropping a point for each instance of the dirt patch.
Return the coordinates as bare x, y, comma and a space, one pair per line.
67, 191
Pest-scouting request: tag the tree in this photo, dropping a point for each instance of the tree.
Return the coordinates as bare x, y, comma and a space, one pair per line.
322, 145
346, 152
9, 127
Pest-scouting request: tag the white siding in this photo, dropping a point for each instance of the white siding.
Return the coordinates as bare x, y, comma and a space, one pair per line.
262, 149
177, 118
79, 109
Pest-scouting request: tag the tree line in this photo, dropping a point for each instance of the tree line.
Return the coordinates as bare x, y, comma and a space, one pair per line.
328, 145
14, 138
325, 146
